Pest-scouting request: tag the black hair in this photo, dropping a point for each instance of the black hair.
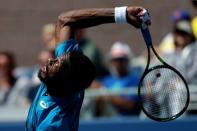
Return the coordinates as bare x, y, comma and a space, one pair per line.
75, 74
194, 2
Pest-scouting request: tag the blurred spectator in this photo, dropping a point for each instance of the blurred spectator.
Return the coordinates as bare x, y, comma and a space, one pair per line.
184, 58
91, 51
167, 44
194, 20
122, 77
194, 26
12, 89
48, 37
194, 2
43, 57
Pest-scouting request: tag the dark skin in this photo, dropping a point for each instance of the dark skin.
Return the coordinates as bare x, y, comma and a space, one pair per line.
51, 68
69, 22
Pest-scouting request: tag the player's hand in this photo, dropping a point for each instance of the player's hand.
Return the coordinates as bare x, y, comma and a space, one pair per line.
133, 16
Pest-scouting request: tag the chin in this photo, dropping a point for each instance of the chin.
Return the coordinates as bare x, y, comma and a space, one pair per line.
41, 75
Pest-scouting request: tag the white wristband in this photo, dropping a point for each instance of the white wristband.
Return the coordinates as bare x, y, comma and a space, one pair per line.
120, 14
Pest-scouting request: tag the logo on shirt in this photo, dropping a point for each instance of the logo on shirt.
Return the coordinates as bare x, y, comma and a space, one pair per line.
43, 104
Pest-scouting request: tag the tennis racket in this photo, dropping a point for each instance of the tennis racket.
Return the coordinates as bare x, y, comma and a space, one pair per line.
163, 92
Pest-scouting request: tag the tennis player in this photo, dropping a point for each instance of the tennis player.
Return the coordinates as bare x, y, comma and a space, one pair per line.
57, 104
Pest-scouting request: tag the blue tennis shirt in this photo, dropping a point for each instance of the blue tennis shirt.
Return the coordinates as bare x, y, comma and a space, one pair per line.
49, 113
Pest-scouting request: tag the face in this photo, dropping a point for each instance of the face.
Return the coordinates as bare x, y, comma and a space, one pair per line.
5, 66
182, 39
51, 68
120, 65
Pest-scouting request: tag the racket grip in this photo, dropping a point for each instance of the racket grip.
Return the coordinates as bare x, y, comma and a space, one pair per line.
145, 18
147, 36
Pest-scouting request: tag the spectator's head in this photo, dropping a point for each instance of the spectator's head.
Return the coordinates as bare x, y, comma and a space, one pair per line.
179, 15
7, 64
120, 54
48, 36
67, 74
43, 57
194, 2
183, 34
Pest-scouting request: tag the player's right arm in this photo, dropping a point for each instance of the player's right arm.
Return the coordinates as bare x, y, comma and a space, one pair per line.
70, 21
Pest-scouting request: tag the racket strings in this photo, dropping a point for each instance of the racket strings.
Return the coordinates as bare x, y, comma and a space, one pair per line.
163, 93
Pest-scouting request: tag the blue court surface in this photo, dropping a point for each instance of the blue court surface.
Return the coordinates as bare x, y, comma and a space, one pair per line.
121, 124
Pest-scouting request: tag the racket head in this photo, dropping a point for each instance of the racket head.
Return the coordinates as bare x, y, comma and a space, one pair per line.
150, 105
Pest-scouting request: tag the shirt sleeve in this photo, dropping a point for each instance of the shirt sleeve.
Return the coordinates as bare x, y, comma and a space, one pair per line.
67, 46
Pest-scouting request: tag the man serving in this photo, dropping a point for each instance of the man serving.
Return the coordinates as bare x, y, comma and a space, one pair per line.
57, 104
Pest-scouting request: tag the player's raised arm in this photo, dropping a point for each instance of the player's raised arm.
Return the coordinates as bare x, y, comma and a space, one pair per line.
86, 17
91, 17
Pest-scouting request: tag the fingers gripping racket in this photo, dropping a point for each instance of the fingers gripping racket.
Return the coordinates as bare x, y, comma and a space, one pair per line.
163, 91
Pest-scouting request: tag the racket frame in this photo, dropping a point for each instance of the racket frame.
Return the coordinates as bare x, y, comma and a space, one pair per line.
148, 41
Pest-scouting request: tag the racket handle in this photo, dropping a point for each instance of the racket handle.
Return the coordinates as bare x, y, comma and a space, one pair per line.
147, 36
145, 18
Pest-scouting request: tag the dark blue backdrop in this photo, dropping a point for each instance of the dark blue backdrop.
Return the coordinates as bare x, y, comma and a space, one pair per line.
123, 124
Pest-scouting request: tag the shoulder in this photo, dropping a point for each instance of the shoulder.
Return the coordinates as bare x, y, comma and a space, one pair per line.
59, 114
